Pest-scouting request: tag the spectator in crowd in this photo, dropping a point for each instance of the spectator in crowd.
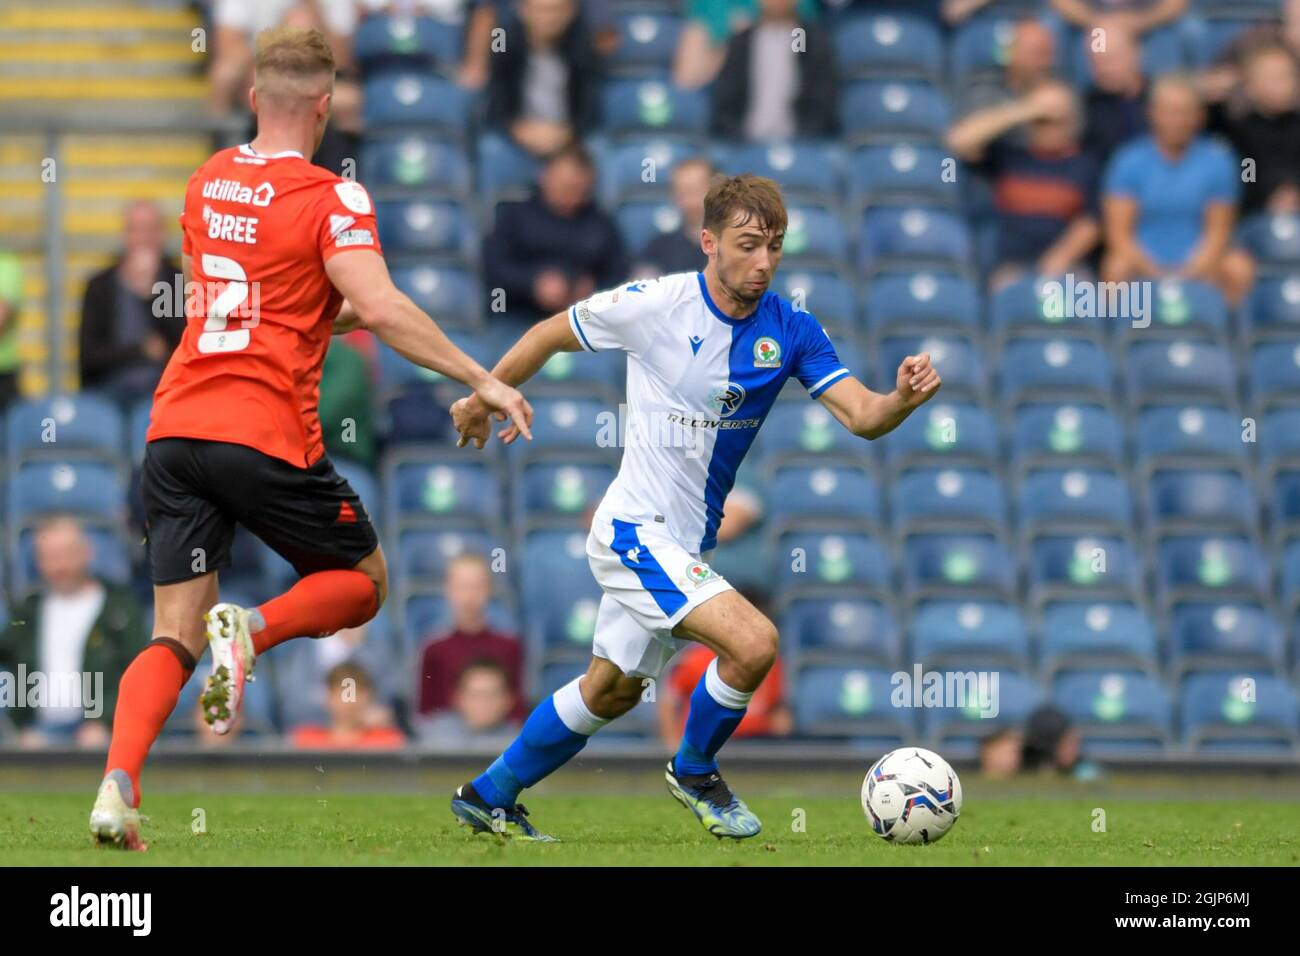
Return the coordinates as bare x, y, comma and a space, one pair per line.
679, 250
125, 342
1001, 753
1264, 127
1031, 55
71, 624
1169, 199
702, 47
774, 85
357, 721
483, 711
467, 588
345, 409
11, 301
1130, 16
1050, 741
1044, 192
556, 247
545, 84
1114, 104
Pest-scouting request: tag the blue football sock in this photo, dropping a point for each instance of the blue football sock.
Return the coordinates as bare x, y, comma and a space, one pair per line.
716, 711
547, 742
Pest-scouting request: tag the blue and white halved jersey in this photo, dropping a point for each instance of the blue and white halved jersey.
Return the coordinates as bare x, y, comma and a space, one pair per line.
699, 385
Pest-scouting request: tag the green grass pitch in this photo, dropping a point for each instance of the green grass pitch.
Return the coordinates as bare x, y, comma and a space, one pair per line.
625, 817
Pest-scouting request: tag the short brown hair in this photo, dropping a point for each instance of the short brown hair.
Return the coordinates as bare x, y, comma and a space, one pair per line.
288, 60
753, 197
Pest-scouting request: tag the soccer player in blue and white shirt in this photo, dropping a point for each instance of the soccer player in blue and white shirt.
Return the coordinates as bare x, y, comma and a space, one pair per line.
707, 354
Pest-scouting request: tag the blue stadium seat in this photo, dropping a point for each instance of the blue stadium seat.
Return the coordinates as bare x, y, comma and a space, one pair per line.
1210, 635
559, 593
847, 629
814, 558
417, 101
900, 171
888, 44
428, 492
1082, 567
1279, 437
450, 294
807, 170
1286, 502
1290, 575
1199, 565
572, 374
913, 236
948, 496
1240, 712
644, 106
801, 429
1273, 306
939, 300
1196, 499
815, 233
957, 730
839, 492
647, 40
91, 490
1164, 371
641, 220
426, 226
567, 424
423, 554
1115, 711
415, 161
958, 359
547, 491
642, 167
384, 42
944, 432
980, 46
1075, 369
1188, 432
831, 701
826, 293
1274, 240
1274, 375
1184, 305
967, 633
64, 427
1041, 306
505, 171
1043, 433
942, 564
137, 428
888, 109
1096, 633
1076, 496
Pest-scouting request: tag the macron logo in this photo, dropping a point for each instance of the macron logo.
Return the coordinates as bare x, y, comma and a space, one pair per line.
696, 342
75, 909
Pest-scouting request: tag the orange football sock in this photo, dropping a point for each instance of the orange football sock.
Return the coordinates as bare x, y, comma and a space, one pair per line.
318, 605
146, 697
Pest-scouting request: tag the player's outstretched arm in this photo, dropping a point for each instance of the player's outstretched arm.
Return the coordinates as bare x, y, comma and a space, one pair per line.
385, 310
870, 414
525, 358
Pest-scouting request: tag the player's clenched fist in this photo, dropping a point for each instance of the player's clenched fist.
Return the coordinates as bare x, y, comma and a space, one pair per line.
918, 380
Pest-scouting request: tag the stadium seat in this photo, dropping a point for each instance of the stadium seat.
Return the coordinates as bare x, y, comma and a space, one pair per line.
835, 492
1183, 306
933, 496
826, 293
438, 227
1285, 503
1273, 307
801, 429
1048, 433
1080, 497
558, 593
1116, 712
412, 161
137, 427
1274, 375
639, 107
969, 633
1081, 567
836, 701
958, 359
1279, 438
957, 730
421, 493
1214, 635
980, 46
888, 44
943, 432
66, 427
647, 40
814, 558
1166, 371
814, 234
450, 294
1238, 711
948, 564
640, 168
1210, 567
384, 42
422, 555
1188, 433
921, 300
1274, 240
1083, 634
847, 630
1042, 306
562, 423
547, 491
1197, 499
880, 110
1061, 369
913, 237
90, 490
416, 101
505, 171
808, 171
641, 220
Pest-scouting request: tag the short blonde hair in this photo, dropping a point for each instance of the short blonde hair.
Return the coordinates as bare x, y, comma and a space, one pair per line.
292, 64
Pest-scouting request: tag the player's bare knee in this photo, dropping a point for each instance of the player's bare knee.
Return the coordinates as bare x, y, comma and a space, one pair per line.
757, 653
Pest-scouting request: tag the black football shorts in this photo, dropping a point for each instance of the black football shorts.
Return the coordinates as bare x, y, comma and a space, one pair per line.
196, 491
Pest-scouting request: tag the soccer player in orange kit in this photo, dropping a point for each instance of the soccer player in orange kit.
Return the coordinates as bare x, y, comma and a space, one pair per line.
272, 247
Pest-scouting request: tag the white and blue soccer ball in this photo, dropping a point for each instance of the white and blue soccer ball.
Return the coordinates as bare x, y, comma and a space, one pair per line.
911, 795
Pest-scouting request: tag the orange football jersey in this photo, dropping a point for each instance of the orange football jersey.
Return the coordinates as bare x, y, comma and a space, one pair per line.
259, 307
